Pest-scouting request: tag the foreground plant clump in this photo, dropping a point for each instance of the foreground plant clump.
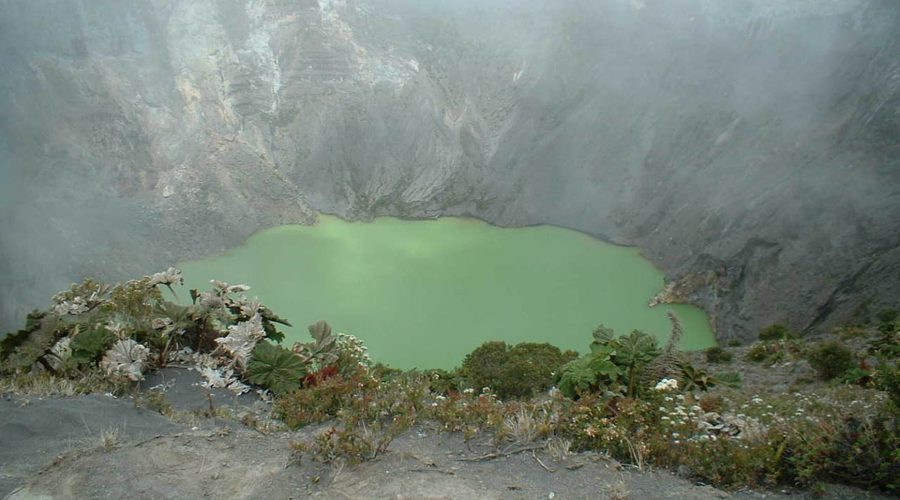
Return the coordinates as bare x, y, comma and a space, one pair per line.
113, 334
627, 397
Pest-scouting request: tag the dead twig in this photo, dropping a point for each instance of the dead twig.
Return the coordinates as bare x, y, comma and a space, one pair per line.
481, 458
534, 455
508, 451
447, 472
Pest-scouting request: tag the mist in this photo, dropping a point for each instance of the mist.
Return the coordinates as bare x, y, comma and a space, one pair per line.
750, 148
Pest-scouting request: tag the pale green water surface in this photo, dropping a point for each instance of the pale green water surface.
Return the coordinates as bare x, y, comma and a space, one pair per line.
424, 293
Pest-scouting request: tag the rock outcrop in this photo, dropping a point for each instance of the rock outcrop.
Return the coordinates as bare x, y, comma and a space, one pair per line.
751, 149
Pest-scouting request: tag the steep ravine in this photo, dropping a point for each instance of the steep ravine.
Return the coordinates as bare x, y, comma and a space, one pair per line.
752, 150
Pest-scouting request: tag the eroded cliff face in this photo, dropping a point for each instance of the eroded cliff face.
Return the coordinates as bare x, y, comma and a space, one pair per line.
751, 149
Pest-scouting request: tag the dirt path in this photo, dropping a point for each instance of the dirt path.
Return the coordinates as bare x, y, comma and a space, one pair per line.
68, 448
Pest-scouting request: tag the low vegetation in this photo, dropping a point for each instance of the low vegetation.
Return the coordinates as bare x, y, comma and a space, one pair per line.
514, 371
716, 354
627, 396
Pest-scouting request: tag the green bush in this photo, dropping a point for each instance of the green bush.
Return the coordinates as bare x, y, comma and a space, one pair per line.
758, 352
775, 332
729, 379
716, 354
384, 372
513, 372
775, 351
324, 400
831, 360
443, 382
887, 379
888, 315
614, 364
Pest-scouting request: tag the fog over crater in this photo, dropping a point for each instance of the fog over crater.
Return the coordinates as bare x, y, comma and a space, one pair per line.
751, 149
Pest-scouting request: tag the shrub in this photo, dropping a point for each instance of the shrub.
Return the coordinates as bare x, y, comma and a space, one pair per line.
888, 316
442, 382
484, 366
887, 379
831, 360
716, 354
729, 379
513, 372
384, 372
323, 401
775, 332
886, 344
857, 376
774, 351
849, 332
758, 352
712, 402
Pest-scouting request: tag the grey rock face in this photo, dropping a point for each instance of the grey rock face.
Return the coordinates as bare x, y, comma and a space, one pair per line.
754, 143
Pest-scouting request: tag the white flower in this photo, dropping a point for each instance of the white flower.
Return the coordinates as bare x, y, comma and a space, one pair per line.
125, 359
667, 384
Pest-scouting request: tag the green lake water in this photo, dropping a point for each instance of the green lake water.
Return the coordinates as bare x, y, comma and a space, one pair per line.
424, 293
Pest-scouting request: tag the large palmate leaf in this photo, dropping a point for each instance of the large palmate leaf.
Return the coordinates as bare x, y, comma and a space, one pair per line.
87, 346
604, 367
588, 373
269, 318
603, 335
635, 349
323, 351
275, 368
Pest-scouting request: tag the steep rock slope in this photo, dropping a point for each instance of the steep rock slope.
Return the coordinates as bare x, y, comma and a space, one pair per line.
752, 150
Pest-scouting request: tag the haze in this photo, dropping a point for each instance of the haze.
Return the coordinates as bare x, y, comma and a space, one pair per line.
751, 149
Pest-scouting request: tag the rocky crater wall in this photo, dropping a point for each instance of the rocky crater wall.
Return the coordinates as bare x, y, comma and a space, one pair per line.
751, 149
